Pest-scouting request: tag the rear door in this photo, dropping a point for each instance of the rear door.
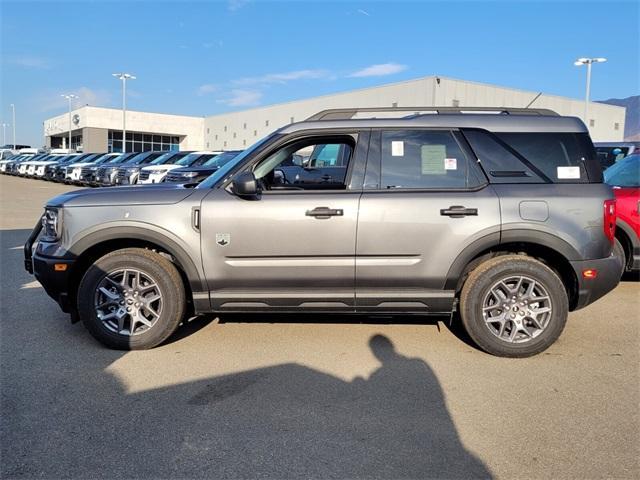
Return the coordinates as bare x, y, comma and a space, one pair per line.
424, 201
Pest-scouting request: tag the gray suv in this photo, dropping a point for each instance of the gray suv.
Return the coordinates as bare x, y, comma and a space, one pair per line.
499, 215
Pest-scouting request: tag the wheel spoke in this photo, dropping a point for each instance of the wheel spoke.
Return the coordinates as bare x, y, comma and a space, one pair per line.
110, 303
109, 294
506, 301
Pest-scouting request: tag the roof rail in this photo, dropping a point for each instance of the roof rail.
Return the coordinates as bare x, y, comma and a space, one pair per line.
348, 113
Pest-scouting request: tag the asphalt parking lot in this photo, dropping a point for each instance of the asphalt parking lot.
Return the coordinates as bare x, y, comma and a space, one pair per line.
312, 397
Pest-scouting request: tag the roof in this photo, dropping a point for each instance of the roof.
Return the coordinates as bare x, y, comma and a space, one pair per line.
492, 122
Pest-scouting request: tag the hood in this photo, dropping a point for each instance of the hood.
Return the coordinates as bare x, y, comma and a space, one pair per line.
161, 168
154, 194
81, 164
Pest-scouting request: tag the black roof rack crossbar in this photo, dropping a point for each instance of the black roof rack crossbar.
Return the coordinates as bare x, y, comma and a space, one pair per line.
348, 113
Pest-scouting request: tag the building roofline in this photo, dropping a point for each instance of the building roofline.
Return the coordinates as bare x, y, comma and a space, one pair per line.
402, 82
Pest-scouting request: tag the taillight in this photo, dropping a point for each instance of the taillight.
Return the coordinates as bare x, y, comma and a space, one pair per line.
610, 219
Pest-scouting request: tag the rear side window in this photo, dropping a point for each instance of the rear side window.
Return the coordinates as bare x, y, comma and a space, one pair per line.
424, 159
561, 157
500, 164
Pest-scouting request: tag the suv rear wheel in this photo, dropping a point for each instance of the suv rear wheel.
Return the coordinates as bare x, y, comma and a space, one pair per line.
513, 306
131, 299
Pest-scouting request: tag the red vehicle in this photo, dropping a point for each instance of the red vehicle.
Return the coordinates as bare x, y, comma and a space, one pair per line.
624, 177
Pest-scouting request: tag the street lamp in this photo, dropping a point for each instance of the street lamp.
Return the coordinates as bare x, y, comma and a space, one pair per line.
124, 77
69, 97
588, 62
13, 107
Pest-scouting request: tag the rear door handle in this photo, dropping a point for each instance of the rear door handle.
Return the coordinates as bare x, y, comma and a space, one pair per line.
458, 211
325, 212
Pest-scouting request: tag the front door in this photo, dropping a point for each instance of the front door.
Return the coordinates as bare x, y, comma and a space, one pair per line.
424, 202
292, 247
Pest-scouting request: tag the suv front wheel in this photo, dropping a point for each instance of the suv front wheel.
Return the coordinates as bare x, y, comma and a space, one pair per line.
513, 306
131, 299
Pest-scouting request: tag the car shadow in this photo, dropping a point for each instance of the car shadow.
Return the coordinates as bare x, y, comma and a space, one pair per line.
67, 412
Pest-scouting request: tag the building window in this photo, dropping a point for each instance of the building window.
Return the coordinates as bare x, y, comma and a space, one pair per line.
225, 128
266, 123
255, 132
244, 143
216, 137
207, 144
244, 126
394, 105
225, 144
616, 126
208, 132
142, 142
292, 120
455, 102
234, 134
592, 123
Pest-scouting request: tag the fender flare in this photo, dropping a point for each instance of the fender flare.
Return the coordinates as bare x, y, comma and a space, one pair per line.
626, 228
495, 240
145, 234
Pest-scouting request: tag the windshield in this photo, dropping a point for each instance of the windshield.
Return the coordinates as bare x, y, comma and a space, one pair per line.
220, 160
625, 173
165, 157
189, 160
222, 172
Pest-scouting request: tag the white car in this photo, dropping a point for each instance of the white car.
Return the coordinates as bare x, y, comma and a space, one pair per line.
157, 171
40, 165
23, 166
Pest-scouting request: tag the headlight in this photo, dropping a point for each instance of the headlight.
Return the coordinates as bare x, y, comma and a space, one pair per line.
132, 170
189, 174
50, 225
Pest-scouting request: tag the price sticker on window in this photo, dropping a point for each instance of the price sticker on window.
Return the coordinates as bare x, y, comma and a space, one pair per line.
397, 149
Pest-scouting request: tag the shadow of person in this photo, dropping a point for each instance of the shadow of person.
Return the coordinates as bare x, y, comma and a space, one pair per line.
403, 410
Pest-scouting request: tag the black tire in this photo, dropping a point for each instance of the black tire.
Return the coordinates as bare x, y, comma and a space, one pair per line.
477, 287
168, 281
618, 251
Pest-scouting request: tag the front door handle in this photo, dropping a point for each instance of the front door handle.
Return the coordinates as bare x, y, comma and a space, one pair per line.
458, 211
325, 212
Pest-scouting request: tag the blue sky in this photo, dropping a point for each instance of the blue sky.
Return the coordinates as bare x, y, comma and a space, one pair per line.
201, 58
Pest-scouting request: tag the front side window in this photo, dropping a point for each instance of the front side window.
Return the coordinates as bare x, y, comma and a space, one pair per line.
310, 164
424, 159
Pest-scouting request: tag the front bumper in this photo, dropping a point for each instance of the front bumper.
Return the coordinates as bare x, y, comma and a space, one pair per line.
48, 271
609, 271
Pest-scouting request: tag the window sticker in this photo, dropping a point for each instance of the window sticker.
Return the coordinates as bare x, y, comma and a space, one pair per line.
433, 159
397, 149
450, 163
568, 172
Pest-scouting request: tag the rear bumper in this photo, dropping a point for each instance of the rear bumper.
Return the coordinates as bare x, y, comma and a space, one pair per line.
609, 271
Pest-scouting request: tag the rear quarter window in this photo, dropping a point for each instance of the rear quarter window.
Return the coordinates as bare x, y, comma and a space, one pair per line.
561, 157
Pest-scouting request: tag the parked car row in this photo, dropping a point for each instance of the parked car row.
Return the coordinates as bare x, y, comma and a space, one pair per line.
109, 169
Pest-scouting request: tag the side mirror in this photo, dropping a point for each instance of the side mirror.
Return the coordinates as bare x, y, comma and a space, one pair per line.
245, 185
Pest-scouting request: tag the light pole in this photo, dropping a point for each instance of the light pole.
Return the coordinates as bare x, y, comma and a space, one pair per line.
124, 77
4, 134
588, 62
13, 108
69, 97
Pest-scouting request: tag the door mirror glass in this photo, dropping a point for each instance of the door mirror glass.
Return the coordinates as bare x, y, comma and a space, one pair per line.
245, 185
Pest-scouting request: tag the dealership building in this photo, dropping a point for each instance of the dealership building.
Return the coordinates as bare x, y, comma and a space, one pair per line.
96, 129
